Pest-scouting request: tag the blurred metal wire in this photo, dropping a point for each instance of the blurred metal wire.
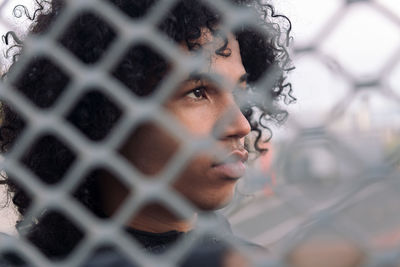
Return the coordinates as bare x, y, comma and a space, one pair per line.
331, 180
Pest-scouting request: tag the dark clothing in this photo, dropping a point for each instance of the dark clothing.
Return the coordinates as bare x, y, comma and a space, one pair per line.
208, 250
159, 242
155, 242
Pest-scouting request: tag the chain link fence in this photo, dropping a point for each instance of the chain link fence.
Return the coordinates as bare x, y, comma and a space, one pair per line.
326, 193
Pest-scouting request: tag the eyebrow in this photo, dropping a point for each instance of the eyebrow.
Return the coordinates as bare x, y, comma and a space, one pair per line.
199, 76
196, 76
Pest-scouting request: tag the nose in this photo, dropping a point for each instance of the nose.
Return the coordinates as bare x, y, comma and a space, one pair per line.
237, 125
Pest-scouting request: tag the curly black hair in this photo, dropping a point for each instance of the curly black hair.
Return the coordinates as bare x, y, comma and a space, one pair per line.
141, 69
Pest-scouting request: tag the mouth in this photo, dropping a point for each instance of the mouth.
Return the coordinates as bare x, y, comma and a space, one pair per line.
233, 167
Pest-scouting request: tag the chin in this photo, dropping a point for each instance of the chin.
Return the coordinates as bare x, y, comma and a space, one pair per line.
206, 193
214, 203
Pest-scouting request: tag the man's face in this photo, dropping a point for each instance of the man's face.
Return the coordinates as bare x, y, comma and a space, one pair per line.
207, 181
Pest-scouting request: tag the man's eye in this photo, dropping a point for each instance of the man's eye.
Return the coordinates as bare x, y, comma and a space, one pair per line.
198, 93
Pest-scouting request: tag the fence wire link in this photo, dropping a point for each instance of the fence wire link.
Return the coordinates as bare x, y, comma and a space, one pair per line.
326, 182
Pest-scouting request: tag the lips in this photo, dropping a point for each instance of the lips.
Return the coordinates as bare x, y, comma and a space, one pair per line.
234, 166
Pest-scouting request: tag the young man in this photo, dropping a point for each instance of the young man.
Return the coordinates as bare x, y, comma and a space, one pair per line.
241, 58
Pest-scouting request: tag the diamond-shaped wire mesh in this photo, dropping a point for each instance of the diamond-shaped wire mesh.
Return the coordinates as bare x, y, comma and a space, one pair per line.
324, 194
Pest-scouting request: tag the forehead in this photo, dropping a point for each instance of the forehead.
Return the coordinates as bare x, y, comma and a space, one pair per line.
228, 63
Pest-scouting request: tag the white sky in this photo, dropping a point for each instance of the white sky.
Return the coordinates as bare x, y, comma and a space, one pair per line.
362, 42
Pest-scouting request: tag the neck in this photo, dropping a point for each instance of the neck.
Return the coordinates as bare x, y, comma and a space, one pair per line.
157, 219
152, 218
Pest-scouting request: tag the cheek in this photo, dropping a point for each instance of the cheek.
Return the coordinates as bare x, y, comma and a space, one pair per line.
149, 148
198, 121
